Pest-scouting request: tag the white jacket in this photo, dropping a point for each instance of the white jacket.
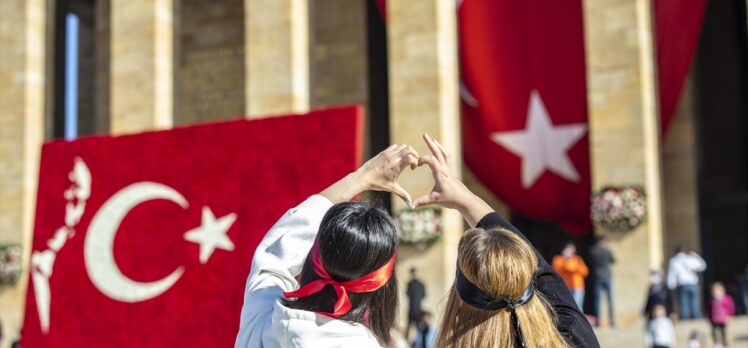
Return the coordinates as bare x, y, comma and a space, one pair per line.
660, 332
265, 322
683, 269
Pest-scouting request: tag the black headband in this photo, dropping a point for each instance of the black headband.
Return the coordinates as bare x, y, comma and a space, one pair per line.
475, 297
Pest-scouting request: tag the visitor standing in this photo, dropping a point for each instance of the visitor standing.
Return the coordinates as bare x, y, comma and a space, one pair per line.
573, 270
416, 292
601, 258
660, 330
426, 334
657, 294
721, 310
683, 277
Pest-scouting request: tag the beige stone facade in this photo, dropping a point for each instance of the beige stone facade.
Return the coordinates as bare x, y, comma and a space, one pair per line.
624, 136
22, 82
161, 63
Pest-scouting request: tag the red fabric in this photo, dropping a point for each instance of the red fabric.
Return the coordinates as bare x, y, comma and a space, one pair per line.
368, 283
382, 5
255, 170
508, 49
677, 26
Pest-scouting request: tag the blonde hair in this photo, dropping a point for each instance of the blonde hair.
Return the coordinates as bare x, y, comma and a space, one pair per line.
501, 264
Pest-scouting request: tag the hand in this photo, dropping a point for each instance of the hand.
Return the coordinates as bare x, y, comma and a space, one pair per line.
448, 190
381, 172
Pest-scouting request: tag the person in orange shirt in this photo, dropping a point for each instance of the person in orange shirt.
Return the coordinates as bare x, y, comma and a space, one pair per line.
573, 270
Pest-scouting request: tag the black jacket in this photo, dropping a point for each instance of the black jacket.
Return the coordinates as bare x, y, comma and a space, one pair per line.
570, 321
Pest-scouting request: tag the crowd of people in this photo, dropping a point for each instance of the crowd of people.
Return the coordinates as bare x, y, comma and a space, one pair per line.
672, 295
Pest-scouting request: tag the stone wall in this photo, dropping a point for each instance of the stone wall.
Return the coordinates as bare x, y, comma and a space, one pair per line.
624, 144
22, 85
679, 177
208, 60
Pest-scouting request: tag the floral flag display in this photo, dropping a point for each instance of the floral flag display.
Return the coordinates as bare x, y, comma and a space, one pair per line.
146, 240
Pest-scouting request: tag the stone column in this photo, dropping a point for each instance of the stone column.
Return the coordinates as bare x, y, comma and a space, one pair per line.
338, 55
424, 99
277, 57
680, 187
22, 81
624, 133
141, 65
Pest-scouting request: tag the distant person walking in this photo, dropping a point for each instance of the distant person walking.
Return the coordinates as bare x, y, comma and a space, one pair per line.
683, 277
721, 310
416, 292
601, 258
573, 270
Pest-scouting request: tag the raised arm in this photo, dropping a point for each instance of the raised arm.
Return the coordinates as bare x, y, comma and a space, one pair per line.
281, 253
450, 192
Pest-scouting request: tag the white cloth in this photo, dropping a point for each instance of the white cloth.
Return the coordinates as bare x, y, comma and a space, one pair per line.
660, 332
683, 269
265, 322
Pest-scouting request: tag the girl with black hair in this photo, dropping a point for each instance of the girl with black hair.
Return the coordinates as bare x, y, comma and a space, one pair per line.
323, 275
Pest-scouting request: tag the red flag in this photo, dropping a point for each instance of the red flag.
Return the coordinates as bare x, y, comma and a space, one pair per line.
146, 240
677, 26
524, 124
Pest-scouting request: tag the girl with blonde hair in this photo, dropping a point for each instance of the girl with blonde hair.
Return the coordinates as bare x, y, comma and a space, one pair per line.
505, 294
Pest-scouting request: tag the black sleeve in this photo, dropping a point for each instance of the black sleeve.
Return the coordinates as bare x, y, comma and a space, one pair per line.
572, 324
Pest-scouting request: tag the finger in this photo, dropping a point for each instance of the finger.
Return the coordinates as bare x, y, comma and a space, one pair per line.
398, 190
413, 161
431, 161
423, 200
390, 148
409, 150
399, 148
443, 151
433, 147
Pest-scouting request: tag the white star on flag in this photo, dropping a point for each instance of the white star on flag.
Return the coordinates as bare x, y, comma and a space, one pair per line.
211, 234
542, 145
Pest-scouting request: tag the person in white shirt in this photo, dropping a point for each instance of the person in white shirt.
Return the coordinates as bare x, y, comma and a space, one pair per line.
660, 330
322, 276
683, 277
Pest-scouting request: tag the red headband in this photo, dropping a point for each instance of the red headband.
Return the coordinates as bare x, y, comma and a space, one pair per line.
367, 283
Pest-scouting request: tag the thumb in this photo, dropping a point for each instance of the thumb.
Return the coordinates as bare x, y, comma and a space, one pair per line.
398, 190
424, 200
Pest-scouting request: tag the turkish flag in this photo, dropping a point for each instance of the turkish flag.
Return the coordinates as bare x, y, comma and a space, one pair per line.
677, 25
146, 240
524, 106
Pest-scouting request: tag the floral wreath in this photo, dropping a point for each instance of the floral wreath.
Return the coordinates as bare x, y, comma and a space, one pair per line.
619, 208
420, 227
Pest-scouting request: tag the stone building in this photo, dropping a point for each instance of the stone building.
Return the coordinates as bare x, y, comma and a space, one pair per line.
155, 64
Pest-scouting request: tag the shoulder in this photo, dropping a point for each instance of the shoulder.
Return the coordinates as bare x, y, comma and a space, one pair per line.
300, 328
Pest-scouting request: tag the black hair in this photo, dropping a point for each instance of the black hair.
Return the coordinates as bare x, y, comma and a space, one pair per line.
354, 240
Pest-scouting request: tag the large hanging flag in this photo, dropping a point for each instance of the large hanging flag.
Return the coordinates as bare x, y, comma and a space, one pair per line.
524, 124
146, 240
677, 26
524, 98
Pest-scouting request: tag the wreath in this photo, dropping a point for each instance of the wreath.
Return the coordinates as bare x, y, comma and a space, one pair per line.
420, 227
619, 208
10, 264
